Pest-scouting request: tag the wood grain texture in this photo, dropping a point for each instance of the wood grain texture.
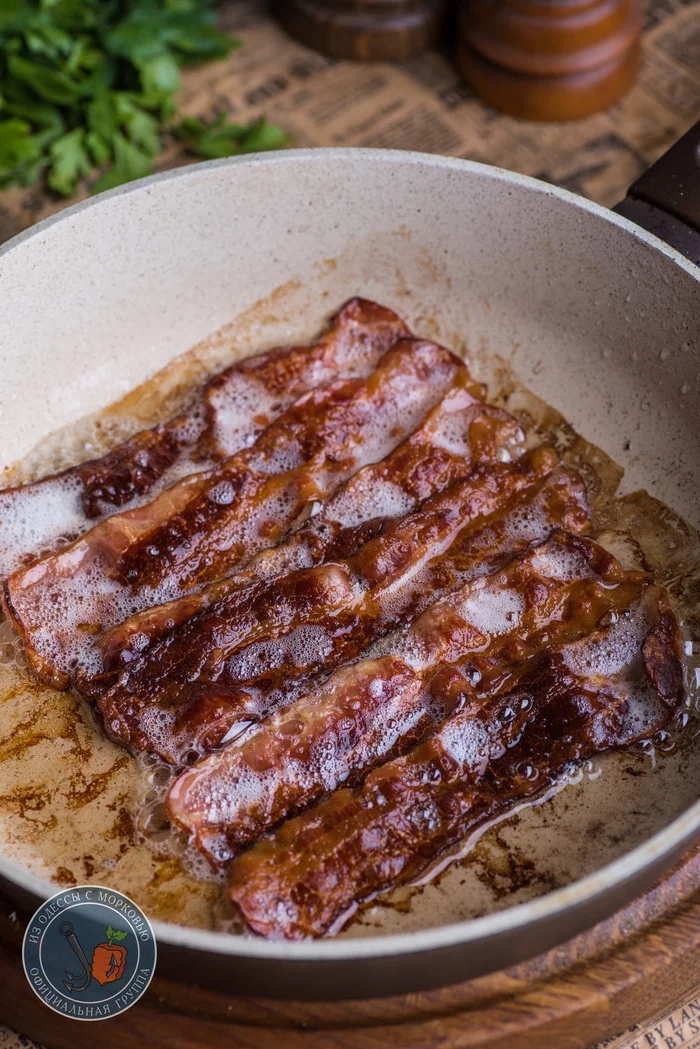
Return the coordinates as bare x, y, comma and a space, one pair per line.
618, 973
373, 30
561, 60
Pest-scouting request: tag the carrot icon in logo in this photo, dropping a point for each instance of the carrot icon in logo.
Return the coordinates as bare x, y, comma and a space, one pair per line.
109, 959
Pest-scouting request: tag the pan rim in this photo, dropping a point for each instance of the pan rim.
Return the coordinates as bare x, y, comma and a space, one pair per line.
389, 156
625, 867
462, 933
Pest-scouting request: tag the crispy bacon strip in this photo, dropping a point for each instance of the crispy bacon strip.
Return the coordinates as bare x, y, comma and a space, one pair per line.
459, 433
618, 685
231, 411
249, 653
208, 524
492, 629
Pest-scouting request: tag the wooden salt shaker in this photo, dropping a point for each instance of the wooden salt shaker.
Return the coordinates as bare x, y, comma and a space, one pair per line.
374, 30
549, 59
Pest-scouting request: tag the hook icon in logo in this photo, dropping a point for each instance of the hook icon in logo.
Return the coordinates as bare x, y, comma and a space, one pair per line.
75, 983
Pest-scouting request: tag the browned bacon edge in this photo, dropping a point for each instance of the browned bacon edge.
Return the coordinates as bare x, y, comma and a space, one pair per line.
243, 657
618, 685
368, 712
65, 505
211, 523
459, 433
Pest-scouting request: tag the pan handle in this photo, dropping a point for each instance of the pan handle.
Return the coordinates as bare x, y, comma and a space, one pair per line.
666, 199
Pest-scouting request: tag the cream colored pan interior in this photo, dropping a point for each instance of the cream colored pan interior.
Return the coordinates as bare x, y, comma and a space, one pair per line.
600, 321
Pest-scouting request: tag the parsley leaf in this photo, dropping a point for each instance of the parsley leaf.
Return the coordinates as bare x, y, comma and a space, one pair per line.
70, 160
160, 76
18, 151
223, 138
87, 89
141, 127
130, 162
50, 84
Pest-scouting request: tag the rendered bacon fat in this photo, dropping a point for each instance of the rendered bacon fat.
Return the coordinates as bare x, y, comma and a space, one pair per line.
246, 655
617, 685
458, 434
492, 629
209, 524
231, 411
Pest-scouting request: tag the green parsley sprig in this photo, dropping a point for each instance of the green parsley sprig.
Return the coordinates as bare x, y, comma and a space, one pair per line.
87, 88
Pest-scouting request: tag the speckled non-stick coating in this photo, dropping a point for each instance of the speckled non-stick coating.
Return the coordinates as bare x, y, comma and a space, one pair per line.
598, 318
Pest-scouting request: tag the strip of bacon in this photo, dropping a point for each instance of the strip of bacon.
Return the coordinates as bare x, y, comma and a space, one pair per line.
257, 647
459, 433
210, 523
618, 685
231, 411
366, 713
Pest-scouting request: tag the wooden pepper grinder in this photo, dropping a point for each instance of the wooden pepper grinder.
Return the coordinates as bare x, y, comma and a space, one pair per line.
374, 30
549, 59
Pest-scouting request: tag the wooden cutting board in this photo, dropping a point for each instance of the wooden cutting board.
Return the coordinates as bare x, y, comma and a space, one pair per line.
618, 973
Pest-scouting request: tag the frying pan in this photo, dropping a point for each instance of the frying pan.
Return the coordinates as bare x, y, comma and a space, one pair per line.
598, 316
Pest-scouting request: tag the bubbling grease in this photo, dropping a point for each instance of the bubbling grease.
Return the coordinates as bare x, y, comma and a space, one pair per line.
357, 505
54, 509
